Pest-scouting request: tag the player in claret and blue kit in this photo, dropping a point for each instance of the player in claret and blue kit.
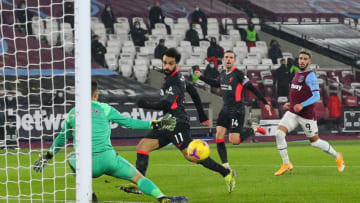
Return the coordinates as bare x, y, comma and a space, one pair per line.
304, 93
104, 158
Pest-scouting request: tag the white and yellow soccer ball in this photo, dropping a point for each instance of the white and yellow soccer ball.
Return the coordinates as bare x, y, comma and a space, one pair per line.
198, 150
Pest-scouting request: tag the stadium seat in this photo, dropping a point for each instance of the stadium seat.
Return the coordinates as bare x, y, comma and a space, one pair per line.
226, 43
261, 44
227, 23
169, 21
253, 75
307, 21
334, 20
114, 43
185, 44
256, 56
151, 43
204, 45
266, 61
141, 61
255, 20
241, 44
122, 20
268, 88
156, 63
129, 56
235, 35
171, 43
126, 70
111, 61
149, 51
140, 72
347, 77
128, 49
287, 55
214, 27
292, 21
113, 50
212, 21
266, 75
194, 61
242, 23
320, 110
350, 100
128, 44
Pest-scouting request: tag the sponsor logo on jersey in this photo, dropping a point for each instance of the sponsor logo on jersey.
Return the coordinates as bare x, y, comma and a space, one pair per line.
297, 87
169, 91
301, 78
226, 87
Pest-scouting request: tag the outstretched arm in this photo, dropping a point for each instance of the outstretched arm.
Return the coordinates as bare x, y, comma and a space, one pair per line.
212, 82
197, 101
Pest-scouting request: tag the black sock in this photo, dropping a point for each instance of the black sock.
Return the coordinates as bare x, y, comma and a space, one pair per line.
222, 151
246, 133
142, 162
212, 165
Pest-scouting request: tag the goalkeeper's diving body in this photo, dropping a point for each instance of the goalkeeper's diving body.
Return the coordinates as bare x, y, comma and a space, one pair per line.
104, 158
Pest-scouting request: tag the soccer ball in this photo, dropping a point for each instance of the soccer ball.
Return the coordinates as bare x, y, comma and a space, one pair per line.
198, 150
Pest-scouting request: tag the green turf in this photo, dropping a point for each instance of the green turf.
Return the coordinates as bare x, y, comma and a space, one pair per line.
314, 178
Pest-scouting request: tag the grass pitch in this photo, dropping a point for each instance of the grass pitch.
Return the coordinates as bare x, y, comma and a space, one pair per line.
314, 178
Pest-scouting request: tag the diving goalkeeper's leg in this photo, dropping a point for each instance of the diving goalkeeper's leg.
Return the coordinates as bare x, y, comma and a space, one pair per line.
72, 164
124, 170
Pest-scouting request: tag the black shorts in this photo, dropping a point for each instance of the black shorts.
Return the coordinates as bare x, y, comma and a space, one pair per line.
232, 119
180, 137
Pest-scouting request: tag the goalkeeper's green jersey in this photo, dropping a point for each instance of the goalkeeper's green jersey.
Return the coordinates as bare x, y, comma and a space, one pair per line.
102, 114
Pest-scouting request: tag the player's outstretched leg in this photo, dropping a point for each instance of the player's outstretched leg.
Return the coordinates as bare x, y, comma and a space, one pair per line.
228, 174
282, 147
326, 147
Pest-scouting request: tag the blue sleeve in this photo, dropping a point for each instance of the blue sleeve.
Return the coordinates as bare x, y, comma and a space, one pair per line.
313, 84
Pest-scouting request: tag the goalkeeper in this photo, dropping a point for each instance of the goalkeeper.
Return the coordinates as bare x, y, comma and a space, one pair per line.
104, 158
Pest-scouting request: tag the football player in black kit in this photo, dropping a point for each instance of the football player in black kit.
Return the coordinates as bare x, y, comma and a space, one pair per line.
231, 117
171, 100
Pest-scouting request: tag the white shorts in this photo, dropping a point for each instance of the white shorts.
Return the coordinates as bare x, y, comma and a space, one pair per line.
291, 121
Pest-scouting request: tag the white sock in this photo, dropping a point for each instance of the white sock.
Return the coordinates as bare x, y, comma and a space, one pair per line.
282, 146
226, 165
326, 147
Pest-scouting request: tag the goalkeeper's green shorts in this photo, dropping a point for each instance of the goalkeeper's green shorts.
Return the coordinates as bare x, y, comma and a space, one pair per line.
108, 163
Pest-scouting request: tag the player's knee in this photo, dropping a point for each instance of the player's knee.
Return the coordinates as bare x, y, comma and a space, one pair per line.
235, 140
280, 139
220, 132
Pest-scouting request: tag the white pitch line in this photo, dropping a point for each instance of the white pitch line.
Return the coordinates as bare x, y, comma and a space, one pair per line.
247, 165
51, 200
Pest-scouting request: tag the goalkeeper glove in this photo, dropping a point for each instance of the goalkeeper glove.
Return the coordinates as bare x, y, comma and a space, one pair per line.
166, 123
42, 161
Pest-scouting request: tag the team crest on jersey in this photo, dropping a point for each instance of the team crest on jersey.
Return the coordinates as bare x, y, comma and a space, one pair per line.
231, 78
301, 78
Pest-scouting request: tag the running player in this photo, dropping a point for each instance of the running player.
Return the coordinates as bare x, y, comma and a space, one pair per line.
232, 83
172, 101
304, 92
104, 158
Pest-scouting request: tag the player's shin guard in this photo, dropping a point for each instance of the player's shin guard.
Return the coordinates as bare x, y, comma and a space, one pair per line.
142, 161
246, 133
325, 146
149, 188
212, 165
282, 146
221, 148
